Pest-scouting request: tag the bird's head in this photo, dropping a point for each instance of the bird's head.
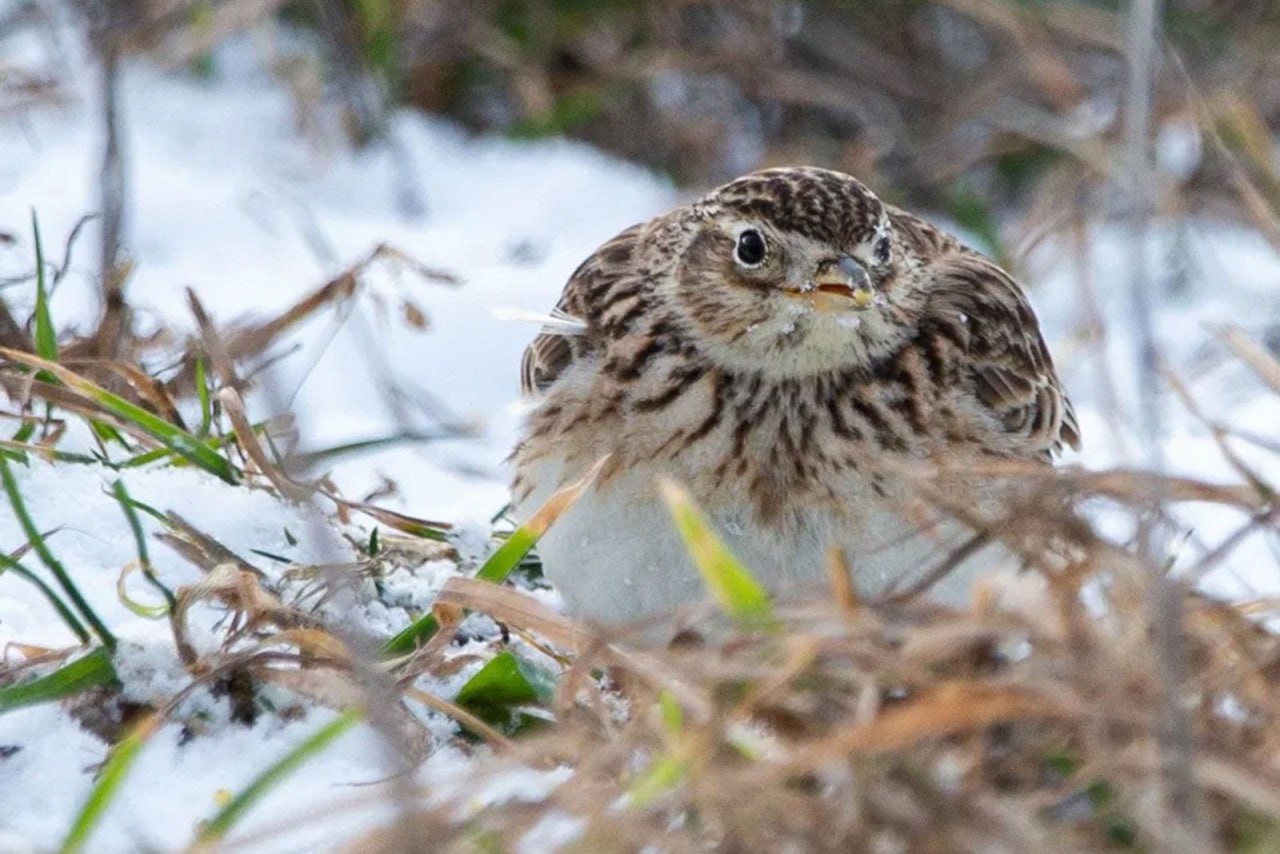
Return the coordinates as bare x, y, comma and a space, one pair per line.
794, 271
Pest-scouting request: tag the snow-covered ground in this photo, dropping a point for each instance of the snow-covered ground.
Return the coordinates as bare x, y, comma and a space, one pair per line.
225, 196
227, 199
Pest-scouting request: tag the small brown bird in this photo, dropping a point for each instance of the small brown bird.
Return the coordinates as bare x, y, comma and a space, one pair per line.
777, 347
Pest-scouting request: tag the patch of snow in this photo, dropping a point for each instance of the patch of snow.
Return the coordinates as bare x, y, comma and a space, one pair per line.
552, 832
1179, 148
177, 780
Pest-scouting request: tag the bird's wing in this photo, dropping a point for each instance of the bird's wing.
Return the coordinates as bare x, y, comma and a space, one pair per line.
982, 311
550, 354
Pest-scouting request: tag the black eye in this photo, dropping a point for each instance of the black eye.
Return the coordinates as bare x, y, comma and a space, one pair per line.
882, 250
751, 249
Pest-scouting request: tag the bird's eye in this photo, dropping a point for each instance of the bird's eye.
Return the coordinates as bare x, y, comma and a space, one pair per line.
751, 249
881, 250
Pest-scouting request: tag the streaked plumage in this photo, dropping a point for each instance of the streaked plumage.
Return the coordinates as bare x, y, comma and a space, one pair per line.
776, 346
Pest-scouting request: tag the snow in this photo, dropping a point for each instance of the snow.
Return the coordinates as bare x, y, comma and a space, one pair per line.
177, 780
552, 832
176, 783
228, 198
1211, 276
90, 535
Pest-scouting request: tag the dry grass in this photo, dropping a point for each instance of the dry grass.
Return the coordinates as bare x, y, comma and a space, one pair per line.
1026, 721
1029, 719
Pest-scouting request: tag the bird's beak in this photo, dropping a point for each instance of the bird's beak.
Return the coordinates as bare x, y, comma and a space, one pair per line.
844, 280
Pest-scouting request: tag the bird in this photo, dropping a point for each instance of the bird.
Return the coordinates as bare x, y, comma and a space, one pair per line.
780, 347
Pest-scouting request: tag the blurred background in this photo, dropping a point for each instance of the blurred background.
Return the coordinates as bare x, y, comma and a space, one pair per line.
968, 107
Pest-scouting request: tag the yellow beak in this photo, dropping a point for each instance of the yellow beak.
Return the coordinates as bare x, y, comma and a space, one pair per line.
837, 283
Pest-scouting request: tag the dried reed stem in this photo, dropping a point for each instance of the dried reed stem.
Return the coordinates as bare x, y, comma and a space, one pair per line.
1173, 723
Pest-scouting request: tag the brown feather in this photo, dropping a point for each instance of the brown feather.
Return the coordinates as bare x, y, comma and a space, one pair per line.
586, 297
1009, 364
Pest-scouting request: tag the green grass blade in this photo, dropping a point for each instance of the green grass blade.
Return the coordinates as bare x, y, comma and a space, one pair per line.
121, 495
509, 554
214, 442
504, 560
497, 691
145, 458
281, 559
495, 570
174, 438
501, 682
41, 549
667, 771
218, 826
106, 433
202, 394
148, 509
155, 454
417, 632
85, 672
46, 339
18, 450
731, 585
662, 776
113, 773
672, 714
25, 432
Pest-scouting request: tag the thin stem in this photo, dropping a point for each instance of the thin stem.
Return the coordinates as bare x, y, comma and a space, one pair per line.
42, 550
1173, 725
115, 311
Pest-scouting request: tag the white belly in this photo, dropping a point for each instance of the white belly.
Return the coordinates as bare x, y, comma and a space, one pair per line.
616, 557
